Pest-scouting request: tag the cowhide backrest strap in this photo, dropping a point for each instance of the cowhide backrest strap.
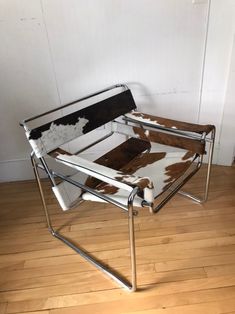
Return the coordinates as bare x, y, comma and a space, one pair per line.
51, 135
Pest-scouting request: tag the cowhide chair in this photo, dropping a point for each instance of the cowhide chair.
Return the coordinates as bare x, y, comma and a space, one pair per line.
153, 159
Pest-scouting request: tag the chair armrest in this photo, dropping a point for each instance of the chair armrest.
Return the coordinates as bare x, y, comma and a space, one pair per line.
160, 122
108, 175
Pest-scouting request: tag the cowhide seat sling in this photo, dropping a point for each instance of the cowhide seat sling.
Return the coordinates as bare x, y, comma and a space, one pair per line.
150, 160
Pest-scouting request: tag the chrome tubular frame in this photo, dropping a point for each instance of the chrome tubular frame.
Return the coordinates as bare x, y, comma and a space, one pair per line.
178, 187
94, 143
23, 122
128, 208
203, 199
162, 129
131, 213
38, 180
209, 140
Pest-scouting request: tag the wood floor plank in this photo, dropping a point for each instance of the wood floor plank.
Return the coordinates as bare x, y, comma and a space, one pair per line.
147, 275
107, 288
204, 308
96, 302
115, 241
3, 307
220, 270
209, 261
185, 254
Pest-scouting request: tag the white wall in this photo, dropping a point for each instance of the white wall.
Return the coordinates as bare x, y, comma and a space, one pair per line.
227, 139
54, 51
27, 83
218, 93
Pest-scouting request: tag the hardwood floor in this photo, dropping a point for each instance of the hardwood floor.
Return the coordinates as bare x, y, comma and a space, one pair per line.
185, 254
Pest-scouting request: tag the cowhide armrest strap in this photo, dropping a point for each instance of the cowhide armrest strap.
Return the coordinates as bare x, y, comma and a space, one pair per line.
108, 175
169, 123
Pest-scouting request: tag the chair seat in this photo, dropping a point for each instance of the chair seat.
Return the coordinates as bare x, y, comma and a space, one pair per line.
165, 163
133, 157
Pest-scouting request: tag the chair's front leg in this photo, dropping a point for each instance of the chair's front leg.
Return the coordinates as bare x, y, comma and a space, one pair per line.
35, 169
132, 239
130, 286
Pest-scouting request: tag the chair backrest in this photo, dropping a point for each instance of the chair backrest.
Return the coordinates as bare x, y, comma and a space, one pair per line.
53, 134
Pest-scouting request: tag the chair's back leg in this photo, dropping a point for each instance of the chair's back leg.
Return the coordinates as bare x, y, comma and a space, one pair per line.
210, 156
207, 180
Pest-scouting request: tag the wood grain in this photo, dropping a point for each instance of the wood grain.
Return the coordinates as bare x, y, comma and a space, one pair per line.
185, 254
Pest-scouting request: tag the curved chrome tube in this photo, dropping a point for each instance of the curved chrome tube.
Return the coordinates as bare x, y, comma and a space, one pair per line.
23, 122
131, 213
132, 238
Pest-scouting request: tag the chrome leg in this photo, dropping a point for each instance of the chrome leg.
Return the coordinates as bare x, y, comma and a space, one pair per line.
192, 197
132, 239
124, 283
207, 182
35, 169
211, 149
94, 262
